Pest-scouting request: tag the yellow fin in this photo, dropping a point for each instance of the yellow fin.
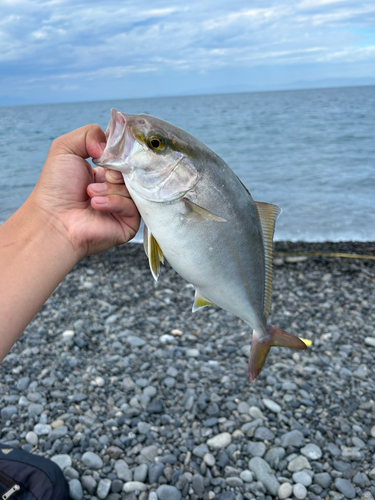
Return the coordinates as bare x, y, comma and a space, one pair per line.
308, 342
201, 212
200, 301
267, 215
153, 252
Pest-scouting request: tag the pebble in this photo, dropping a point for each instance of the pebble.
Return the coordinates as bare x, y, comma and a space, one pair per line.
209, 459
122, 470
271, 405
63, 461
246, 476
220, 440
298, 464
299, 491
32, 438
192, 353
132, 486
92, 460
345, 487
285, 491
42, 429
292, 438
370, 341
312, 451
89, 484
75, 489
8, 412
303, 478
372, 432
140, 473
166, 492
264, 474
256, 449
198, 484
103, 488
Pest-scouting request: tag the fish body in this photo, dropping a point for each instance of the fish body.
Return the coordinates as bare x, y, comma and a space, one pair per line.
201, 218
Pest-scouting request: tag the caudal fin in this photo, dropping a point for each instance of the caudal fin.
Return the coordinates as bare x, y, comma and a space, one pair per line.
260, 348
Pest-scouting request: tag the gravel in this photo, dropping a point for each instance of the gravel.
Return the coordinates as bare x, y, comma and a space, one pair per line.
133, 396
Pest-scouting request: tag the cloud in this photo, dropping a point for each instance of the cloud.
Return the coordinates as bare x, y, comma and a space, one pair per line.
51, 40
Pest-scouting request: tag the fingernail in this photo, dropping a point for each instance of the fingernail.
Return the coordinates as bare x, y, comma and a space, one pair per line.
99, 187
101, 200
103, 145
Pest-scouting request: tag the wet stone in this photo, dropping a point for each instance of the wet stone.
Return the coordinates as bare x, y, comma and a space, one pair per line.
198, 484
345, 487
103, 488
89, 484
92, 460
166, 492
293, 438
75, 489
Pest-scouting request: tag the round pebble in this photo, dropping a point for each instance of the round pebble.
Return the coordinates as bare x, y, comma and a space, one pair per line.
299, 491
285, 491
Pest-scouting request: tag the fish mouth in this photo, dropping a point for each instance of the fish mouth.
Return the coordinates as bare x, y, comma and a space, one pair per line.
120, 141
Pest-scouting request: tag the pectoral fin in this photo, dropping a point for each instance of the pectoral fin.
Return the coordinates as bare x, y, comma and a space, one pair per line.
153, 252
200, 301
200, 212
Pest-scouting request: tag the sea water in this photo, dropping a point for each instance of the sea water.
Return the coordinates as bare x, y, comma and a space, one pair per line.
311, 152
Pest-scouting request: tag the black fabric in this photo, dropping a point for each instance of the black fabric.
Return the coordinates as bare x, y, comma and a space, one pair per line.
38, 477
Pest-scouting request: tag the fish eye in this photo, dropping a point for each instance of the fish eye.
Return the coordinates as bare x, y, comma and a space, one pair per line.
157, 142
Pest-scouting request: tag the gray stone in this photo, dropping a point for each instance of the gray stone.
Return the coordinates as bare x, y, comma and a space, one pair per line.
140, 473
132, 486
345, 487
71, 473
143, 427
123, 472
299, 491
8, 412
312, 451
274, 456
150, 452
246, 476
234, 481
169, 382
263, 473
92, 460
32, 438
198, 484
192, 353
372, 473
271, 405
23, 383
293, 438
221, 440
75, 489
89, 484
302, 477
63, 461
200, 451
155, 470
243, 407
209, 459
117, 485
135, 341
166, 492
35, 408
103, 488
256, 449
285, 490
298, 464
255, 412
263, 433
42, 429
361, 480
58, 433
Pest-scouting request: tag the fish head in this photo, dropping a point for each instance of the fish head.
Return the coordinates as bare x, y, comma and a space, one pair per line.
154, 156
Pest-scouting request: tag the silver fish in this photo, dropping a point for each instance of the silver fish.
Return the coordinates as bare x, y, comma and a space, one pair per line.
202, 219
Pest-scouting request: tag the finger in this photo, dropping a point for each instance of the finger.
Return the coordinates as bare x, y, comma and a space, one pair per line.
124, 207
99, 174
114, 176
87, 141
107, 189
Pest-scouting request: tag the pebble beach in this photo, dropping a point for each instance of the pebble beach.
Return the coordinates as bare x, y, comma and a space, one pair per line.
135, 397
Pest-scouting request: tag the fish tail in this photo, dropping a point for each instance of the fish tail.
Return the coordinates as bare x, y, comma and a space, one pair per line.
260, 348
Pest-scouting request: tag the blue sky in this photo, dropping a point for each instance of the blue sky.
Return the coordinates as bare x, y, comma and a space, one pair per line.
63, 50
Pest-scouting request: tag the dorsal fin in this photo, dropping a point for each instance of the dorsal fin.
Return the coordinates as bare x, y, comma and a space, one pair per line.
267, 215
153, 252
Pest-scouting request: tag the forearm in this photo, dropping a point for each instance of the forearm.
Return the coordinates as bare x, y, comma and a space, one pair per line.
34, 257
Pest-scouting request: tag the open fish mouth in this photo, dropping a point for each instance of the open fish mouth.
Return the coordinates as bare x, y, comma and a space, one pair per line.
120, 141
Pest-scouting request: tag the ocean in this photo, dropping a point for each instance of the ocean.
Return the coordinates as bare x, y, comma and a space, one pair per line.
311, 152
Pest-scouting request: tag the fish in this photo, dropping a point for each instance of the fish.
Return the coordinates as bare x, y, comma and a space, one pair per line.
200, 217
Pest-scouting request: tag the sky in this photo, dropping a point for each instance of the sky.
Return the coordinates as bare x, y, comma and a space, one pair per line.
66, 51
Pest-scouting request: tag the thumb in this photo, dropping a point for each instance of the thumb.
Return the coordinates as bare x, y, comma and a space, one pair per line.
87, 141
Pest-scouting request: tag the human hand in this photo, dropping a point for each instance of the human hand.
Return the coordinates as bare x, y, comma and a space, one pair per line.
90, 207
